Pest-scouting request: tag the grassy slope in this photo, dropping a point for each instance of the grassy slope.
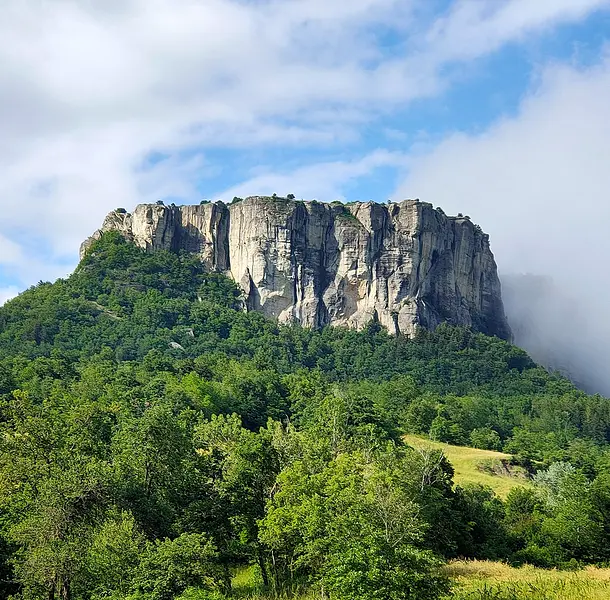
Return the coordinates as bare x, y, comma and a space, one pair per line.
465, 461
485, 580
479, 580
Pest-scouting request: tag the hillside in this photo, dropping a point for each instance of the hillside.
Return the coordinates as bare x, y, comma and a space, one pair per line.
155, 439
475, 466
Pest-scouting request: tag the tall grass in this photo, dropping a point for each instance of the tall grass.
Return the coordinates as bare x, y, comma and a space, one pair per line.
474, 580
485, 580
247, 584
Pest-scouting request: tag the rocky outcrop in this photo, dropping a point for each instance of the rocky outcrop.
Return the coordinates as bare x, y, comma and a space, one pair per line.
404, 264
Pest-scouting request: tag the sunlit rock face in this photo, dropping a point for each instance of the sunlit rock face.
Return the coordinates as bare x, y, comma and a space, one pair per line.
406, 265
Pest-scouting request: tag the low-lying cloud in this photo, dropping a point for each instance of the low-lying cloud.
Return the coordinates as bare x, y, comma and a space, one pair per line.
539, 183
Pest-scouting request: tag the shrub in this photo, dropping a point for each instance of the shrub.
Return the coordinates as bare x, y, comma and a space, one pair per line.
172, 566
485, 438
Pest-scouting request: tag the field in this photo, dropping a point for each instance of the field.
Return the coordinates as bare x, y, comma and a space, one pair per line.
484, 580
466, 462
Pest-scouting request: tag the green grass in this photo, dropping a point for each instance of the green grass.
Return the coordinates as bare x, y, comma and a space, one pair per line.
475, 580
486, 580
466, 462
247, 584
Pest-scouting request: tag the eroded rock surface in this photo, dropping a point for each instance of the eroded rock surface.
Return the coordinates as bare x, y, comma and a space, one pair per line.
405, 264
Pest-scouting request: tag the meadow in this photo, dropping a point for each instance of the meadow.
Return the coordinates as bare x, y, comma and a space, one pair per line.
478, 580
486, 580
468, 464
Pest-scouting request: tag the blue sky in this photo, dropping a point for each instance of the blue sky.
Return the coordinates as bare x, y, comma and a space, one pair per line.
106, 104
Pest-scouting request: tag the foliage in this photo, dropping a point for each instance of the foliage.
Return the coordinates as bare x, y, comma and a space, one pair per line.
485, 438
154, 437
170, 567
352, 529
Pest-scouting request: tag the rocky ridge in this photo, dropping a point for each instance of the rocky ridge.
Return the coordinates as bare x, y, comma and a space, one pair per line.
404, 264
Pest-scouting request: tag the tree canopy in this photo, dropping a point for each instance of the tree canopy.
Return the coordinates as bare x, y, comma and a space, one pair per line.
155, 437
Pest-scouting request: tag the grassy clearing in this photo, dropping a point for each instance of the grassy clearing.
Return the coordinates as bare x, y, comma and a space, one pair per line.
476, 580
485, 580
466, 463
248, 585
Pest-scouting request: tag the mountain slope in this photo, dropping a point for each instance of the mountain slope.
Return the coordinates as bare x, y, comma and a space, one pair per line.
154, 437
125, 303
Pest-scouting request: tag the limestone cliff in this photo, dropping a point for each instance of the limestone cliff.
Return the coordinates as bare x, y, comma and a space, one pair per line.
405, 264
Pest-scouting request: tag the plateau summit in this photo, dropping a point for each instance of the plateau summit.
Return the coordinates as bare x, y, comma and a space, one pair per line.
406, 265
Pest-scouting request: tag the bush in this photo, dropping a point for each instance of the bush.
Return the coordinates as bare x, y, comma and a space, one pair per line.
485, 438
170, 567
443, 430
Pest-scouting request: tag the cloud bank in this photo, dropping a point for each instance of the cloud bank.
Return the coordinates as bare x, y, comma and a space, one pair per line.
539, 183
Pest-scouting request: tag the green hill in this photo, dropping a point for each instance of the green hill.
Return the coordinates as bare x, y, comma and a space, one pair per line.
155, 439
479, 467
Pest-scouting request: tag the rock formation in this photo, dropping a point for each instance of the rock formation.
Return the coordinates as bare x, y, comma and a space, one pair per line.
405, 264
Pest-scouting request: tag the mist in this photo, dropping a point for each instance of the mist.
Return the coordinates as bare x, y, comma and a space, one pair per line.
557, 330
539, 183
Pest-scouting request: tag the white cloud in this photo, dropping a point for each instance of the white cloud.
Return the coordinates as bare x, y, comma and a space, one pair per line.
7, 293
89, 88
475, 28
539, 184
322, 181
10, 252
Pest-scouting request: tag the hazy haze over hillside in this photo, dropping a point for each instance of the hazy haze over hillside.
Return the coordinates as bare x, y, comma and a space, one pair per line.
539, 183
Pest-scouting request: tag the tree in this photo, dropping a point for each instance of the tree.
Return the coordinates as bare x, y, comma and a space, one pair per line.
113, 556
352, 529
54, 490
420, 414
246, 464
347, 420
169, 567
481, 518
150, 456
443, 430
485, 438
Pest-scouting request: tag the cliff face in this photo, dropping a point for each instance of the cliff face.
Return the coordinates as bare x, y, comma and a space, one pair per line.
407, 264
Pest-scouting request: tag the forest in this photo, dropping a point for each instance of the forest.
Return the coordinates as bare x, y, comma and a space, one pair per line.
157, 442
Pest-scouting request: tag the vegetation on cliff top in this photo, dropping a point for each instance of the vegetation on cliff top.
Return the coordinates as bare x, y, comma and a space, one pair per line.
155, 440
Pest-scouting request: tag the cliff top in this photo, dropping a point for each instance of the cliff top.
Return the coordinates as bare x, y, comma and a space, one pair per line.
290, 198
351, 206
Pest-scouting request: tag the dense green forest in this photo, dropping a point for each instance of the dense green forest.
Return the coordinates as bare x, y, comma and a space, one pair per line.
155, 438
